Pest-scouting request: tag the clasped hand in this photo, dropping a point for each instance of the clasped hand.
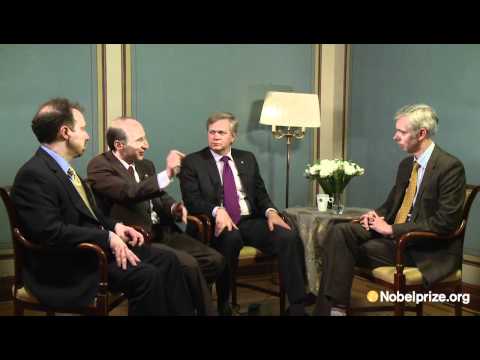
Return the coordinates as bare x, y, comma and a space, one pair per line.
119, 239
372, 221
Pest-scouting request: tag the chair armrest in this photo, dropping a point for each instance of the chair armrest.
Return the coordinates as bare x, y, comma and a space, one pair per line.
25, 243
403, 239
206, 235
102, 261
198, 221
29, 246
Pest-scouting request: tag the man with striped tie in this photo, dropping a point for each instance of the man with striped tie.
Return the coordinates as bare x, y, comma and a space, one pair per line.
428, 195
56, 209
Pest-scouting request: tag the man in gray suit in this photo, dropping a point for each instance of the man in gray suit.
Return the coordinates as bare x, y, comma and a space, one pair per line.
428, 195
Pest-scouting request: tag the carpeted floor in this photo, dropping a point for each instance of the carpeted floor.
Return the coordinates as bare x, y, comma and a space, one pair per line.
256, 303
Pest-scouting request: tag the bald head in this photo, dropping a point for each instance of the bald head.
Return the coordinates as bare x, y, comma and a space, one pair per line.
126, 137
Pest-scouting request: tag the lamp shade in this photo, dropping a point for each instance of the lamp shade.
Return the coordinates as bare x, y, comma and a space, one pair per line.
290, 109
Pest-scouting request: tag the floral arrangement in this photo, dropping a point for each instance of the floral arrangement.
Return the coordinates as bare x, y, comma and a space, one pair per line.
333, 175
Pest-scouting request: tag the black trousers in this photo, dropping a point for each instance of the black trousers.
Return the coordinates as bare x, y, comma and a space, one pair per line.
156, 286
348, 245
201, 265
286, 244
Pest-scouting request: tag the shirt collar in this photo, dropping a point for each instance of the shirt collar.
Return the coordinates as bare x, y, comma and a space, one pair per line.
58, 158
123, 162
423, 159
218, 157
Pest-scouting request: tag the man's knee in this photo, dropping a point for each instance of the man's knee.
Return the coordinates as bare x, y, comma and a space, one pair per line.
287, 238
231, 240
187, 261
347, 232
145, 278
344, 227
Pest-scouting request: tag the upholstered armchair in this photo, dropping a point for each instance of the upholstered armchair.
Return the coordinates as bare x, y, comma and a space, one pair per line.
403, 279
248, 259
104, 302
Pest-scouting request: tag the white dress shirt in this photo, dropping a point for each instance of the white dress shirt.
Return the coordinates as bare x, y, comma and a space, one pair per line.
163, 182
244, 208
422, 162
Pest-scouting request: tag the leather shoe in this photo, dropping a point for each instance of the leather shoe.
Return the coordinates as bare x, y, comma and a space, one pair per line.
296, 310
225, 310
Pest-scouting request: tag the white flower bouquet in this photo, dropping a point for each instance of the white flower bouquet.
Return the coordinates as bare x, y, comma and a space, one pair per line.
333, 175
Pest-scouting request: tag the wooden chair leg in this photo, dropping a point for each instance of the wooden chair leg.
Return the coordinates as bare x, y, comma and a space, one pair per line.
17, 309
234, 286
282, 302
419, 309
399, 308
458, 304
458, 309
281, 290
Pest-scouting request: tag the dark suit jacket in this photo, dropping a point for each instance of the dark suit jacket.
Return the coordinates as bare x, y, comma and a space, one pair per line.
52, 213
201, 185
121, 197
438, 208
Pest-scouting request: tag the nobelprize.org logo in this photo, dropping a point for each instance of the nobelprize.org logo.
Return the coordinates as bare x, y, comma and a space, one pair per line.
387, 296
372, 296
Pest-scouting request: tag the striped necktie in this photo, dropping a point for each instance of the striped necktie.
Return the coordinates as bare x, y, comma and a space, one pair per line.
407, 203
75, 179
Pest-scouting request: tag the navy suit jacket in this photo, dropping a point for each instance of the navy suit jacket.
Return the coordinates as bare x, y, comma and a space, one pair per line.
52, 213
201, 185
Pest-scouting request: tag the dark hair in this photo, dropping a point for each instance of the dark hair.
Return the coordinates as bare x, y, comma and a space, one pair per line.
52, 115
114, 133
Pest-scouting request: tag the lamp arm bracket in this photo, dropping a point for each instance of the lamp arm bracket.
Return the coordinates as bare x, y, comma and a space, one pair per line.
290, 133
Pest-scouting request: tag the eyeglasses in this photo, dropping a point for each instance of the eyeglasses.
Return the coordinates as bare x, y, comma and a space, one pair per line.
219, 132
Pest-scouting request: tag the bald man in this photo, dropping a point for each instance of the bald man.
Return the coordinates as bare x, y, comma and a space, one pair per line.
128, 188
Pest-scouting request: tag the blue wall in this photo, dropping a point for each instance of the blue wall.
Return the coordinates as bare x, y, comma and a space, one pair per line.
176, 88
29, 76
386, 77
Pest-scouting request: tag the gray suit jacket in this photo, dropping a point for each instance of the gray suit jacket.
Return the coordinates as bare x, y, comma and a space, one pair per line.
438, 208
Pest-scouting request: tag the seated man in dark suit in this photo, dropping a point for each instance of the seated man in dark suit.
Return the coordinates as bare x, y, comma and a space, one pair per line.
428, 195
56, 209
226, 184
129, 189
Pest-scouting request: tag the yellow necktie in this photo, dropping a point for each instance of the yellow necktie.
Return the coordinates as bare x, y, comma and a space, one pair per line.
80, 189
409, 196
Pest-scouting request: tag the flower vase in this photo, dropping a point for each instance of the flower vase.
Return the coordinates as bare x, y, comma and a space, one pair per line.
337, 205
